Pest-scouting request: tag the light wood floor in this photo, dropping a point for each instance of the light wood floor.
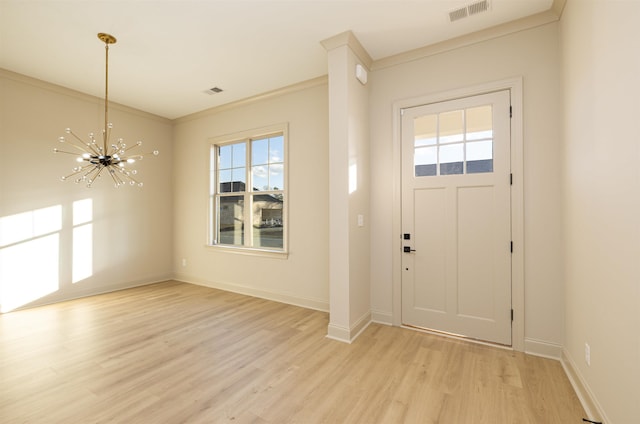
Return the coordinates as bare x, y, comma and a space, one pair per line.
179, 353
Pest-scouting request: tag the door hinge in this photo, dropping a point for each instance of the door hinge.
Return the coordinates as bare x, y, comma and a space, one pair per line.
510, 111
512, 315
510, 179
511, 246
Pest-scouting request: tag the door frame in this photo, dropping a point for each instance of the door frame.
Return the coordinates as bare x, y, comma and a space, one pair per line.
514, 85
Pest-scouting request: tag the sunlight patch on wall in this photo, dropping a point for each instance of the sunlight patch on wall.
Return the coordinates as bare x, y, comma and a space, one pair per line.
82, 240
353, 177
29, 256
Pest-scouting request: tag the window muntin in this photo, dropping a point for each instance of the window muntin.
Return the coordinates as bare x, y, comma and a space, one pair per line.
248, 186
454, 142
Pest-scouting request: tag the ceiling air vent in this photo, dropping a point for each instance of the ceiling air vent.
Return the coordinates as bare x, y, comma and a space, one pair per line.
468, 10
454, 15
478, 7
214, 90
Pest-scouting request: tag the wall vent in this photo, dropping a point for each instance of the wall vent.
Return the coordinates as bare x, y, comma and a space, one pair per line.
469, 10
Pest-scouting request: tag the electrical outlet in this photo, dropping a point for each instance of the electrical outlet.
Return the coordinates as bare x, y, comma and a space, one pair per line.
184, 262
587, 353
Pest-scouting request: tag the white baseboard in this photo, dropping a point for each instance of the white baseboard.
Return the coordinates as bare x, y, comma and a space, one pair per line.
542, 348
339, 333
309, 303
382, 317
348, 335
589, 402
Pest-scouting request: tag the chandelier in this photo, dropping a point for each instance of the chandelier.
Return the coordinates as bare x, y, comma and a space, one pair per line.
96, 158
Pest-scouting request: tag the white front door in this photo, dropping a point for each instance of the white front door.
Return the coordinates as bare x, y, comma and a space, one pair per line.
456, 217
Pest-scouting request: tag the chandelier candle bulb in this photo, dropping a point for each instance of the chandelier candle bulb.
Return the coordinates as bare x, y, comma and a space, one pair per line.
108, 156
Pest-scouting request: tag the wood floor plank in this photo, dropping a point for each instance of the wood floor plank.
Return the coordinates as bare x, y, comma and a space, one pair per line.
179, 353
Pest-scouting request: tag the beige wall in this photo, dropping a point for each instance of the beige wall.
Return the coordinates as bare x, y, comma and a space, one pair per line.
534, 55
131, 244
302, 277
601, 68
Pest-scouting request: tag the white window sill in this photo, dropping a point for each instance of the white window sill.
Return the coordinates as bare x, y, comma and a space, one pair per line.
249, 251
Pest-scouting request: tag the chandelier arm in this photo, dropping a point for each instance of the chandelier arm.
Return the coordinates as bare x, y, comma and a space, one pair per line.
64, 151
89, 145
74, 145
131, 147
99, 169
84, 168
91, 175
92, 168
114, 178
127, 175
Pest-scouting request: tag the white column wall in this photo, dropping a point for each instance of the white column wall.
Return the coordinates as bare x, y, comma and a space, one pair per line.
349, 284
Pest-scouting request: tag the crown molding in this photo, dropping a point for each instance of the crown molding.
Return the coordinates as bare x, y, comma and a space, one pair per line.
558, 7
322, 80
59, 89
529, 22
347, 38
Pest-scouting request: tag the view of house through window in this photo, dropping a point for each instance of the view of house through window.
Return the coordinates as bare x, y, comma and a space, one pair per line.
248, 192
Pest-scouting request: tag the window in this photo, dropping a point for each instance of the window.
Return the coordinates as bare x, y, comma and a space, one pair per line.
454, 142
248, 192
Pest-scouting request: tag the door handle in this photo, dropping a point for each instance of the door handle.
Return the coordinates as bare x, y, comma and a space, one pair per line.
408, 249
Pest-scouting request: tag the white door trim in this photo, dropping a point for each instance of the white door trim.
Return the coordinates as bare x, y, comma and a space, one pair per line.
517, 195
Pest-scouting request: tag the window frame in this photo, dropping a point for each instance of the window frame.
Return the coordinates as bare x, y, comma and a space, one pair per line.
213, 218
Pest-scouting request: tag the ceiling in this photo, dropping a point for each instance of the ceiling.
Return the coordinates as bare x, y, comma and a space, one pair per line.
169, 52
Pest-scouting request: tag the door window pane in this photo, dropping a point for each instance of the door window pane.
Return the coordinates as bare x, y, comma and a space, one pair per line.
451, 159
451, 126
479, 123
426, 161
480, 157
454, 142
426, 130
480, 150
